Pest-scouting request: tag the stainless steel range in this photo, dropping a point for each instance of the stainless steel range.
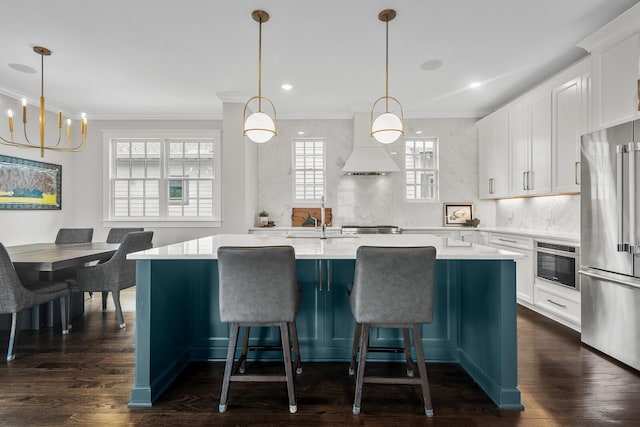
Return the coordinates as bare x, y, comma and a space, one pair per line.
370, 229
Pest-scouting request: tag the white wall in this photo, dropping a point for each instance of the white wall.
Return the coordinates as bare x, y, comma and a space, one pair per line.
553, 213
28, 226
380, 199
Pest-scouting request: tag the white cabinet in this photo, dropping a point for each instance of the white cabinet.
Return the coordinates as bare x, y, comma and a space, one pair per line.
493, 156
530, 145
558, 303
524, 266
569, 120
616, 72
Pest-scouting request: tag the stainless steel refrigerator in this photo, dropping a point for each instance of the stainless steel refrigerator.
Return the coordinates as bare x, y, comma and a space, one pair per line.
610, 241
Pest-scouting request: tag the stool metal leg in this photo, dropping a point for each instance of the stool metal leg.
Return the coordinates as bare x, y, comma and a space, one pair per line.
411, 367
364, 344
228, 367
286, 351
426, 394
245, 347
356, 345
296, 348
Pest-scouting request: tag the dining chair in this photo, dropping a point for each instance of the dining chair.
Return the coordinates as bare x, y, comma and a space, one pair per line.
16, 296
258, 287
115, 274
116, 235
74, 235
393, 288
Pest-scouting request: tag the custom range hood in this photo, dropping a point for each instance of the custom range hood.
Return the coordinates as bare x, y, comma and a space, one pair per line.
368, 156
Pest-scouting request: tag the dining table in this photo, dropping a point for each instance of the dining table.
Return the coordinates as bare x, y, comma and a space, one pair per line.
55, 261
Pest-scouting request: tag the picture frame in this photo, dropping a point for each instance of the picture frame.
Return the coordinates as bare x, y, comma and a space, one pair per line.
457, 214
29, 184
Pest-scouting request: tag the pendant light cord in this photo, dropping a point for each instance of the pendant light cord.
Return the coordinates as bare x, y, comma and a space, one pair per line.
387, 70
260, 67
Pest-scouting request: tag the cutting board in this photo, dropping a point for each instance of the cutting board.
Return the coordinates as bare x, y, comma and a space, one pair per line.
301, 217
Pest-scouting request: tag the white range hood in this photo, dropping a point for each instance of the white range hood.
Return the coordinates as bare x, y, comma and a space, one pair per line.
368, 156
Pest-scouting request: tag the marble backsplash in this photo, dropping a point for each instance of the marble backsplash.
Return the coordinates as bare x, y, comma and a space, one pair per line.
552, 213
370, 200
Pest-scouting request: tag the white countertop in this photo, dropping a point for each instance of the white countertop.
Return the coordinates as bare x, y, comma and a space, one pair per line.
310, 246
536, 234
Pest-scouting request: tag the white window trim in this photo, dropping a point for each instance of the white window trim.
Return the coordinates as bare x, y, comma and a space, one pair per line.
307, 202
108, 135
404, 178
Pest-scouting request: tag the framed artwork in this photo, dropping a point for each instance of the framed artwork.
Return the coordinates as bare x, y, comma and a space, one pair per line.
457, 214
28, 184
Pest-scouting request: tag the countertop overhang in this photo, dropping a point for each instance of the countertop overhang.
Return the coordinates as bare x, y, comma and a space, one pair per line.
336, 246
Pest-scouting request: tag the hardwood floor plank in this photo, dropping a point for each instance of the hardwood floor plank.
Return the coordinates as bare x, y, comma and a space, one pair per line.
85, 378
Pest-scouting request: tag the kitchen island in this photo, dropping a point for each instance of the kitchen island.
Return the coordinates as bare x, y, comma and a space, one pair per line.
177, 315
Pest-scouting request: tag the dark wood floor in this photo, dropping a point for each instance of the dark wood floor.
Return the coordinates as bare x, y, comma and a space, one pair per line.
86, 378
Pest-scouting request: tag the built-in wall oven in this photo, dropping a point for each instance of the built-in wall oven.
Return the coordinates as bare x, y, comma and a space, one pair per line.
558, 263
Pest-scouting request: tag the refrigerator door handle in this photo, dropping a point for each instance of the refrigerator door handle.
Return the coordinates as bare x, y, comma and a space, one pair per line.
622, 247
632, 149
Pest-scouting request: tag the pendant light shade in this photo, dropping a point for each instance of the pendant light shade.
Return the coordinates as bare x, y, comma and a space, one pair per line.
387, 127
259, 127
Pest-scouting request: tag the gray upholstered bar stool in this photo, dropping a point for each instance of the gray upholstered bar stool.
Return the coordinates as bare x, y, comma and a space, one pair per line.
393, 288
258, 287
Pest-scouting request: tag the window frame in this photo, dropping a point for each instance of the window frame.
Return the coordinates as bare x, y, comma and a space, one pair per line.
315, 201
436, 170
164, 220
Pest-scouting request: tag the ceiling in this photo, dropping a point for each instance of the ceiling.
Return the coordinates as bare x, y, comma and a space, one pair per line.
168, 59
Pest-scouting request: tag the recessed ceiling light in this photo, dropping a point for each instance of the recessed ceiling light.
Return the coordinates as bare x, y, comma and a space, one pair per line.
23, 68
475, 85
300, 132
418, 132
286, 86
431, 64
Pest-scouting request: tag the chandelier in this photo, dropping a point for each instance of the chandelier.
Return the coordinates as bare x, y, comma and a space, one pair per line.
43, 51
259, 126
387, 127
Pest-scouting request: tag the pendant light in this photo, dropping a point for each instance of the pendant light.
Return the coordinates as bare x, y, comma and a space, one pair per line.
259, 127
387, 127
54, 144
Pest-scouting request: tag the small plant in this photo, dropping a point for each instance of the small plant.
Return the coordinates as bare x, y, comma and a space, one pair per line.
263, 213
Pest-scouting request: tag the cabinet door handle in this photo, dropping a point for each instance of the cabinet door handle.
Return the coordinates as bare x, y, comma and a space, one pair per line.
507, 240
575, 172
328, 276
320, 275
556, 303
524, 180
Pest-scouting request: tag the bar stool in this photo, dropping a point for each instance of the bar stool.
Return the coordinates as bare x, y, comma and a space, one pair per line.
393, 288
258, 287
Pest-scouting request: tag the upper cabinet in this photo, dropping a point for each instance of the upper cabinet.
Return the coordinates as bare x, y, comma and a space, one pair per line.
615, 53
543, 127
493, 156
530, 145
570, 113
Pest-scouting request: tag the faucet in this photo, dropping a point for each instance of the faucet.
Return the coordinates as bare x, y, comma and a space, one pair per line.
323, 226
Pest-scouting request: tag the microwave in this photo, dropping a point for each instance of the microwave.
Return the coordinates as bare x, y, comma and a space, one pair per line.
558, 264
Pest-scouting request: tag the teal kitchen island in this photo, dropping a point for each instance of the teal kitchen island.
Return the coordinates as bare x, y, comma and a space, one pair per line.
178, 322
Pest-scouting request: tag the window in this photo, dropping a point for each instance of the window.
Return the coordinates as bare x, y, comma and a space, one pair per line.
421, 168
309, 168
169, 175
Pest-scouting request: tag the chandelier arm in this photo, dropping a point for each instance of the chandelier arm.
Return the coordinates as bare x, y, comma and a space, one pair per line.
26, 137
